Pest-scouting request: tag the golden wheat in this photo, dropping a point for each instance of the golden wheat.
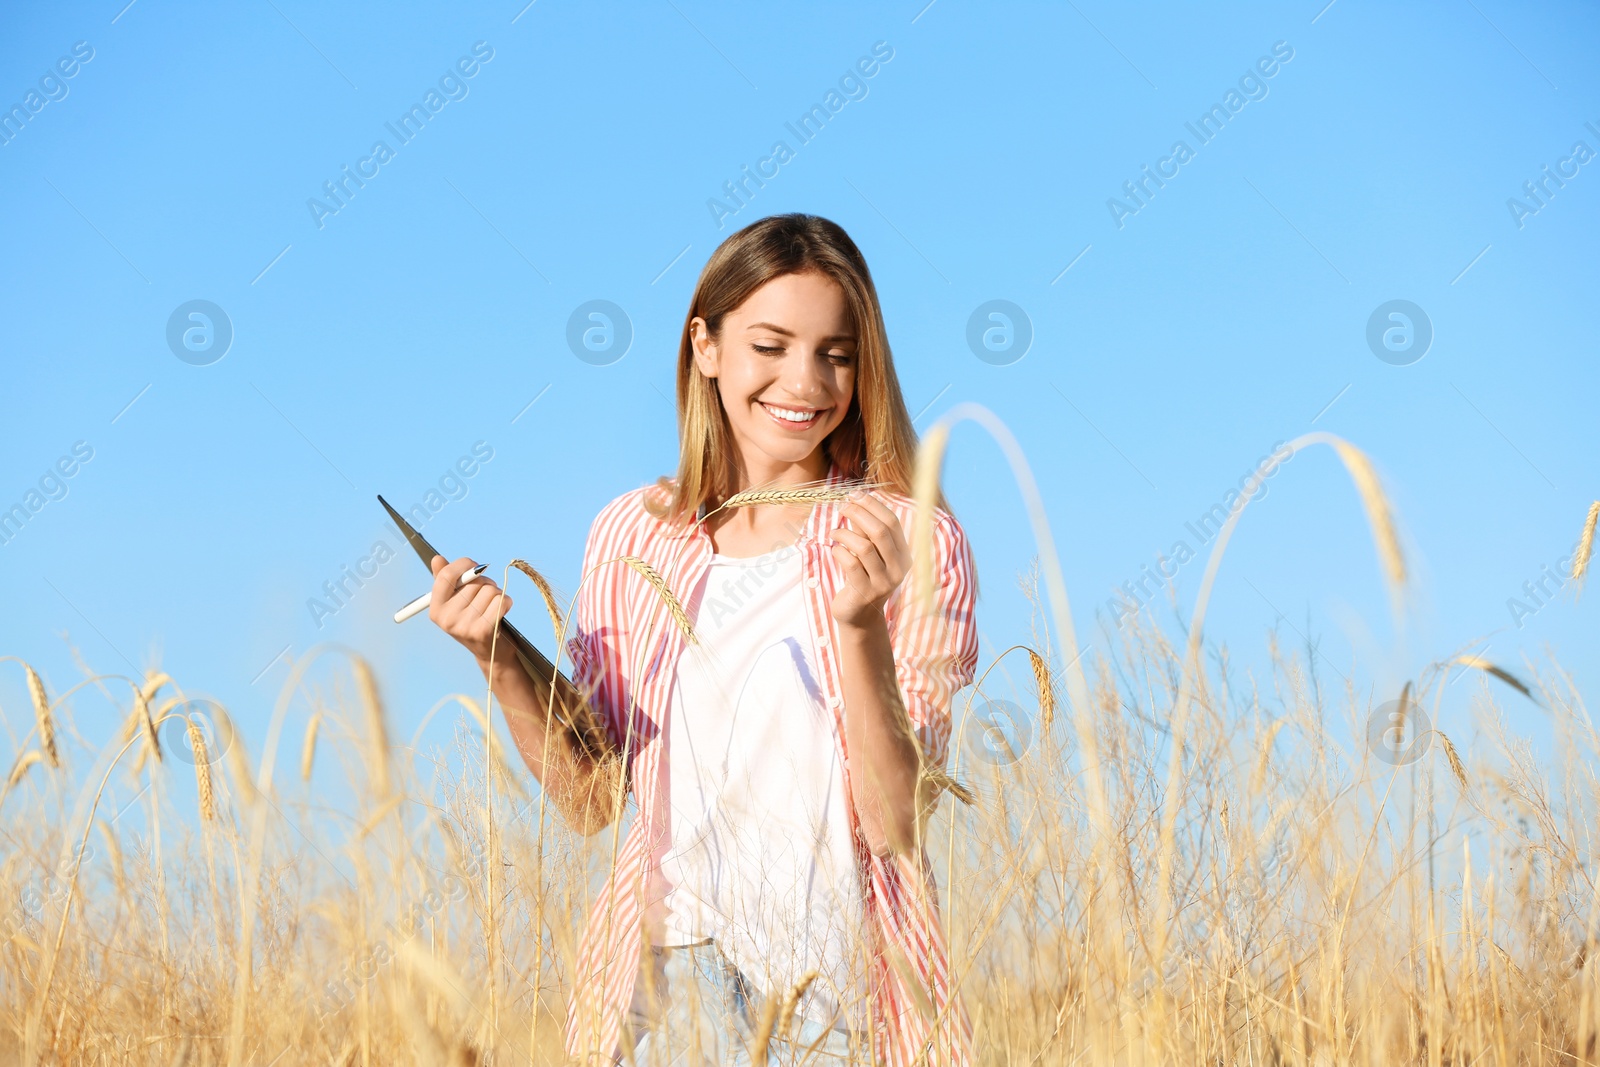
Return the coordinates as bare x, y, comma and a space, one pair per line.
775, 1019
925, 495
939, 778
145, 721
238, 762
1456, 766
202, 771
377, 728
1379, 514
670, 599
540, 583
20, 767
819, 494
1478, 663
1580, 558
1045, 683
308, 746
41, 715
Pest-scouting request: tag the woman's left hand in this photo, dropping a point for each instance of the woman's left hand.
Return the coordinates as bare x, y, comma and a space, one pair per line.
873, 553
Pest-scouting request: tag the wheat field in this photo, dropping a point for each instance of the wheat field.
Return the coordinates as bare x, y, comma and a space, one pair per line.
1189, 864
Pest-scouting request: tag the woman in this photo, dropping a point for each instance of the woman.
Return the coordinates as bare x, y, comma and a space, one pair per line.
785, 757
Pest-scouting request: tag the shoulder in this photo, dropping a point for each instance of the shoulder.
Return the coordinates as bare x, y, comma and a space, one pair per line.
627, 524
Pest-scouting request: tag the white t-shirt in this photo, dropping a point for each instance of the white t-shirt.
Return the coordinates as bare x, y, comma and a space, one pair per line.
761, 858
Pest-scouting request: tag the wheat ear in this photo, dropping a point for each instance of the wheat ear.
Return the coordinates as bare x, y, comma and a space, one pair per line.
20, 768
775, 1019
377, 729
1046, 684
202, 771
800, 495
1479, 663
144, 720
540, 583
41, 713
1379, 514
925, 493
1580, 559
308, 747
1456, 766
659, 584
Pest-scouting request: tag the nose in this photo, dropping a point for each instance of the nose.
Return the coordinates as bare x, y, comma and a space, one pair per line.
804, 378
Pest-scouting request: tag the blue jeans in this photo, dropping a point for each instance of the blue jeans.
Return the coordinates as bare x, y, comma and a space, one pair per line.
692, 1008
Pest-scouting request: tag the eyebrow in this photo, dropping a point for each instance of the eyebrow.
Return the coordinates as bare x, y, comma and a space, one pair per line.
774, 328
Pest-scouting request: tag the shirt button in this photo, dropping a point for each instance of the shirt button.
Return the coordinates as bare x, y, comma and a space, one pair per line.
822, 639
812, 583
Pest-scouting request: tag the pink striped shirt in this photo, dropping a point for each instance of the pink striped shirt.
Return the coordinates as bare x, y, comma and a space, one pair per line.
625, 648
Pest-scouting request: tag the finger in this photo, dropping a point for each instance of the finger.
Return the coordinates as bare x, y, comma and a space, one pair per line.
436, 562
866, 553
488, 601
855, 575
890, 520
472, 598
446, 577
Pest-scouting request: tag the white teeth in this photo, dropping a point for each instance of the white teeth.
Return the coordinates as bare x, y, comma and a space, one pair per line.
791, 416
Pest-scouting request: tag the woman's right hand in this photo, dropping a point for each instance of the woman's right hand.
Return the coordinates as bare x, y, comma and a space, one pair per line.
468, 613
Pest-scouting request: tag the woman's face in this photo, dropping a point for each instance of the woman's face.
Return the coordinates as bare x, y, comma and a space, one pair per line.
785, 365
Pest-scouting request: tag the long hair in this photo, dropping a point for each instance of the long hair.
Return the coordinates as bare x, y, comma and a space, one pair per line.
875, 442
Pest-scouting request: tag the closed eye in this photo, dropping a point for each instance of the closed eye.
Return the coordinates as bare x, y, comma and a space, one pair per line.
766, 350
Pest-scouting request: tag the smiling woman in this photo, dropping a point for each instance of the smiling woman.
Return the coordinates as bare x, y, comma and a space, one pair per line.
785, 765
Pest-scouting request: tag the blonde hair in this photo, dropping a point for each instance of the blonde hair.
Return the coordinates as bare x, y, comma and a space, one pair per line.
875, 442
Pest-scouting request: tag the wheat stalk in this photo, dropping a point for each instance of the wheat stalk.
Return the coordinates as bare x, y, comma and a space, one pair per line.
1580, 559
540, 583
925, 494
1046, 684
1456, 766
940, 779
792, 1001
1379, 514
377, 730
20, 768
41, 713
238, 763
308, 747
1258, 776
143, 719
114, 850
659, 584
775, 1019
1479, 663
817, 494
202, 771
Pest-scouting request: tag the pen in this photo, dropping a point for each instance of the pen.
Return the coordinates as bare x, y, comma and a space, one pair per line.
419, 605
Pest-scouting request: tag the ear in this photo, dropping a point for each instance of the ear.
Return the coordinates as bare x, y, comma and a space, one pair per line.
705, 349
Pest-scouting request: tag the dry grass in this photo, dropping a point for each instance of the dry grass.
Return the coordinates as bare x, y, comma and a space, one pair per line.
1306, 904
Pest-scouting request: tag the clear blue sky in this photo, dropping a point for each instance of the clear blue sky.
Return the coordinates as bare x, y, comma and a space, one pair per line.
373, 347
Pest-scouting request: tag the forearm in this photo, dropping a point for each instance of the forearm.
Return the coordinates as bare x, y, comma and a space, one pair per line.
571, 766
886, 761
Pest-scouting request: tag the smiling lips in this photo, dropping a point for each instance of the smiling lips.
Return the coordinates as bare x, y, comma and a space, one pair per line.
793, 418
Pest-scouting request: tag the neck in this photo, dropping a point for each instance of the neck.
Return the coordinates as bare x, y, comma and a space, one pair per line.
764, 472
